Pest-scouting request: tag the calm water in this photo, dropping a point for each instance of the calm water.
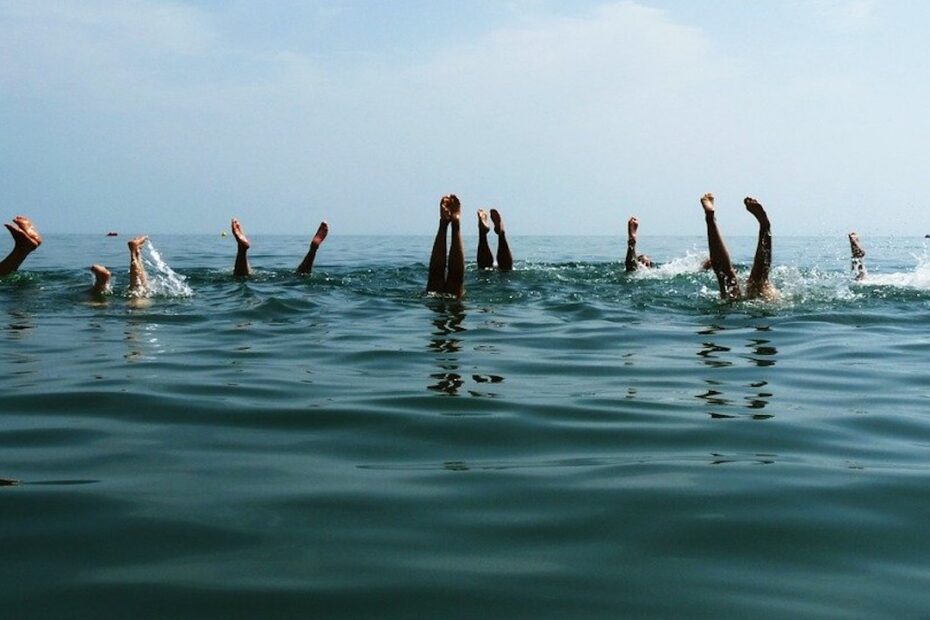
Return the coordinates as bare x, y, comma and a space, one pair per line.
568, 442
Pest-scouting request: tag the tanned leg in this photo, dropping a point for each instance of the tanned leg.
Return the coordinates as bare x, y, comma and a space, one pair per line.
306, 265
858, 265
101, 279
632, 226
436, 282
455, 278
758, 284
719, 254
241, 268
504, 257
138, 280
485, 258
25, 239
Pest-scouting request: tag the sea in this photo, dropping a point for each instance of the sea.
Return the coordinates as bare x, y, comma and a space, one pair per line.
567, 441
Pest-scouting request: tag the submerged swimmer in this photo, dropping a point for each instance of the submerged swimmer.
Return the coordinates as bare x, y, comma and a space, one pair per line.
634, 262
25, 239
758, 284
485, 259
242, 268
858, 265
440, 280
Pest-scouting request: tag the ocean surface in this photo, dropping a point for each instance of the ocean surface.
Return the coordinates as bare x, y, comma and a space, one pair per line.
568, 441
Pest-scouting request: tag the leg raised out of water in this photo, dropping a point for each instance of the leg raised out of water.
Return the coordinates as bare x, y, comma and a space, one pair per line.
306, 265
455, 278
858, 254
241, 267
758, 284
101, 279
138, 279
25, 239
504, 256
719, 254
436, 281
632, 227
485, 258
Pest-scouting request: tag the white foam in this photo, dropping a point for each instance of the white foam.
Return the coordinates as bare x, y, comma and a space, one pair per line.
692, 262
917, 279
163, 280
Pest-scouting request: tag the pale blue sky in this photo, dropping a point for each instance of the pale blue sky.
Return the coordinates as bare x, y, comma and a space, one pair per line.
569, 117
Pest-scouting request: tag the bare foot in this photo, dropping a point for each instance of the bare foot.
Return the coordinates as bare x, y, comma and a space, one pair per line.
857, 251
707, 201
484, 223
100, 271
136, 243
25, 235
632, 226
450, 209
320, 235
498, 222
239, 235
754, 207
101, 278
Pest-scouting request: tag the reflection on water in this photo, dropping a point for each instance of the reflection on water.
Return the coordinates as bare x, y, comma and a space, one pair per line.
141, 340
447, 346
713, 355
20, 326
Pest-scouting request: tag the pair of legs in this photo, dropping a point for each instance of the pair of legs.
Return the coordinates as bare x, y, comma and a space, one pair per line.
758, 284
441, 279
241, 267
858, 265
634, 262
504, 257
138, 279
25, 239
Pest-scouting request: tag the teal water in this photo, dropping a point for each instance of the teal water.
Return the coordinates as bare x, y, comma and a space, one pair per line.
567, 442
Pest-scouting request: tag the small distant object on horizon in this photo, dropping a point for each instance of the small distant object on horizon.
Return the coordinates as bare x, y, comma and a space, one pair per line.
223, 234
926, 236
112, 234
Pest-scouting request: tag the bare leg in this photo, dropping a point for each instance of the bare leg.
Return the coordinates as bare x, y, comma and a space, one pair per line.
25, 238
101, 279
306, 265
436, 282
719, 254
758, 284
858, 265
241, 268
632, 226
138, 280
485, 258
455, 279
504, 257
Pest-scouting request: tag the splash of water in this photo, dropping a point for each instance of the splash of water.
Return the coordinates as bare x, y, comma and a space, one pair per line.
163, 280
917, 279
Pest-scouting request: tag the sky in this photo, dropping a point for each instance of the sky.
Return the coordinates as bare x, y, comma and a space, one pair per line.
170, 117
